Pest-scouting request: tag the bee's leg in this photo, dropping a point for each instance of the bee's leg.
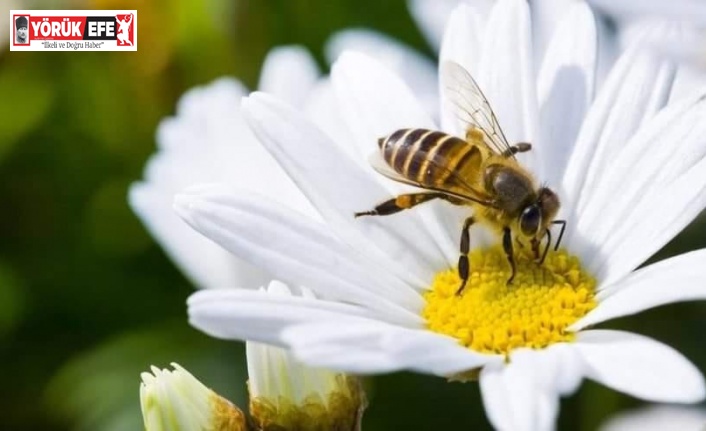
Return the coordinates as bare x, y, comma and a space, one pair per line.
546, 247
561, 232
463, 258
520, 147
400, 203
507, 246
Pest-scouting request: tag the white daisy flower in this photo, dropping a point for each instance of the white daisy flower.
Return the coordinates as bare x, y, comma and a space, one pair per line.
174, 400
658, 418
387, 283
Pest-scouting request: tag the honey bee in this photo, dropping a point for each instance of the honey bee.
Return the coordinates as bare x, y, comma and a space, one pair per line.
480, 171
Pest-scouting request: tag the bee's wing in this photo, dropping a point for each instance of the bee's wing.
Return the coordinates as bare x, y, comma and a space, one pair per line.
471, 107
459, 188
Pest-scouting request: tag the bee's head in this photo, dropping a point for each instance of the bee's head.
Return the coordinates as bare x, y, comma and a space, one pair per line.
535, 217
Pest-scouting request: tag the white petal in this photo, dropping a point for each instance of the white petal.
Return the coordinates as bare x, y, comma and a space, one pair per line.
507, 75
238, 314
640, 366
645, 165
680, 202
432, 15
516, 396
290, 73
688, 10
462, 38
681, 278
462, 45
416, 70
558, 368
496, 391
690, 80
638, 86
208, 141
322, 109
565, 89
341, 346
672, 45
338, 188
337, 345
374, 100
206, 264
571, 368
200, 105
192, 142
274, 372
547, 16
294, 248
426, 352
609, 50
657, 418
661, 166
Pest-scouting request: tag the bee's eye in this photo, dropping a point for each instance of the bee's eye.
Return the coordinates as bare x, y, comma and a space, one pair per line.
530, 220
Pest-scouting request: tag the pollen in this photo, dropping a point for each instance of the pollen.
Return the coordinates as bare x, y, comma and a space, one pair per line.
491, 316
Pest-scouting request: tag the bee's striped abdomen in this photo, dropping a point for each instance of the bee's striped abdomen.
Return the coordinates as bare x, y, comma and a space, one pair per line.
410, 153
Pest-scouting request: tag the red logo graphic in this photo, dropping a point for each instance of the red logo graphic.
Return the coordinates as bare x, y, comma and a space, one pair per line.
126, 30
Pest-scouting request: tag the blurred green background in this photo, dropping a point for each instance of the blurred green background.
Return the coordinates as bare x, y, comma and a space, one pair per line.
88, 300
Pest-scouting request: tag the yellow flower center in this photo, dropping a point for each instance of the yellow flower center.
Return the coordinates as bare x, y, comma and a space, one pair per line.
491, 316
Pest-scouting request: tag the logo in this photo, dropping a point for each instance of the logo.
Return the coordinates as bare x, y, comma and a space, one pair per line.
73, 30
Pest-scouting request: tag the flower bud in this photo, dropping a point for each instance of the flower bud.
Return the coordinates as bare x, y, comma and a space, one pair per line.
177, 401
